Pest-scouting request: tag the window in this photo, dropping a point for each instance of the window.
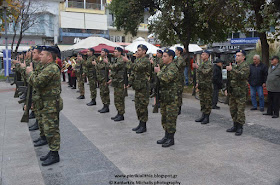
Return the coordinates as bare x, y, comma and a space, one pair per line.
249, 34
93, 4
236, 35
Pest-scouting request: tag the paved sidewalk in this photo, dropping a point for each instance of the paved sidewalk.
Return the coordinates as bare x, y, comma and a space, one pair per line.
19, 163
96, 150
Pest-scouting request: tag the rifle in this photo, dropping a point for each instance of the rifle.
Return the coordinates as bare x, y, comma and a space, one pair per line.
25, 116
194, 82
157, 104
125, 81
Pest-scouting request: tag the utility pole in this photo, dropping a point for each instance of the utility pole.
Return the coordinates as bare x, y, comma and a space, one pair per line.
5, 6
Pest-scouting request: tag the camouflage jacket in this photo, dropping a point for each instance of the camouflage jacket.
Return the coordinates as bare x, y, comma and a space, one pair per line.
117, 72
181, 64
79, 67
88, 66
140, 73
205, 75
237, 79
102, 69
48, 84
35, 92
168, 76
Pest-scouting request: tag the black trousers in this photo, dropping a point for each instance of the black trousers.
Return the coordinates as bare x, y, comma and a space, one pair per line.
74, 81
69, 79
273, 103
63, 76
215, 94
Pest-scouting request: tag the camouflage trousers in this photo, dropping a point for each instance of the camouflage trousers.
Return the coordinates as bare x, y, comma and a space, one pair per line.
237, 108
104, 92
141, 104
51, 129
205, 96
119, 98
38, 117
180, 94
169, 114
92, 86
81, 84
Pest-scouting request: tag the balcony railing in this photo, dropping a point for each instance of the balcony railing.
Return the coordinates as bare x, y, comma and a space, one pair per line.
92, 6
75, 4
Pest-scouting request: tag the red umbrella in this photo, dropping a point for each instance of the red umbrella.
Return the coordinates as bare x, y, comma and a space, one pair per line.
97, 49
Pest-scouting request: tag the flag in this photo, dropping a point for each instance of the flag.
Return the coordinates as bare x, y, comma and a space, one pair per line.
7, 61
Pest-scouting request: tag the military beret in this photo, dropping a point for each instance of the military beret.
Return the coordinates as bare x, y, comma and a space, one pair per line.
159, 51
50, 49
91, 49
38, 47
241, 51
105, 50
119, 49
142, 46
218, 61
179, 49
169, 52
206, 51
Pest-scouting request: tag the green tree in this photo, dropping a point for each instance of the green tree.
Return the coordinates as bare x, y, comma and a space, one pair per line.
262, 16
180, 21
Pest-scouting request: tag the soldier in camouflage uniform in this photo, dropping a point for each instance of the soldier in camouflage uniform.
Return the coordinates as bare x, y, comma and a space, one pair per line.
139, 80
237, 91
90, 72
48, 84
102, 72
154, 63
168, 77
79, 74
181, 64
204, 84
42, 140
117, 80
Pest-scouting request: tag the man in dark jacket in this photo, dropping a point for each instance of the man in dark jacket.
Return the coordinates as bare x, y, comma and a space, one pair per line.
273, 88
217, 82
257, 79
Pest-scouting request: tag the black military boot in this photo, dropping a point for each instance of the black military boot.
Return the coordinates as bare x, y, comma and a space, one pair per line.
239, 129
81, 97
52, 158
136, 128
119, 118
170, 140
32, 115
44, 157
105, 109
201, 118
142, 129
41, 142
35, 126
206, 119
93, 102
112, 118
179, 112
38, 139
102, 108
164, 139
233, 129
23, 96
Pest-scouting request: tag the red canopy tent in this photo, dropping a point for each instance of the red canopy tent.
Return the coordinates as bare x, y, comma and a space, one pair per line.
98, 49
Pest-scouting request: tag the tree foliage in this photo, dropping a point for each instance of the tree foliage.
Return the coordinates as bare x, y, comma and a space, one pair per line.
12, 12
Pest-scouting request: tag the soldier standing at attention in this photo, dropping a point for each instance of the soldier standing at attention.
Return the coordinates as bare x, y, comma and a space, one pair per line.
79, 73
48, 83
181, 64
102, 72
204, 84
42, 140
117, 80
168, 77
237, 90
139, 80
91, 74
